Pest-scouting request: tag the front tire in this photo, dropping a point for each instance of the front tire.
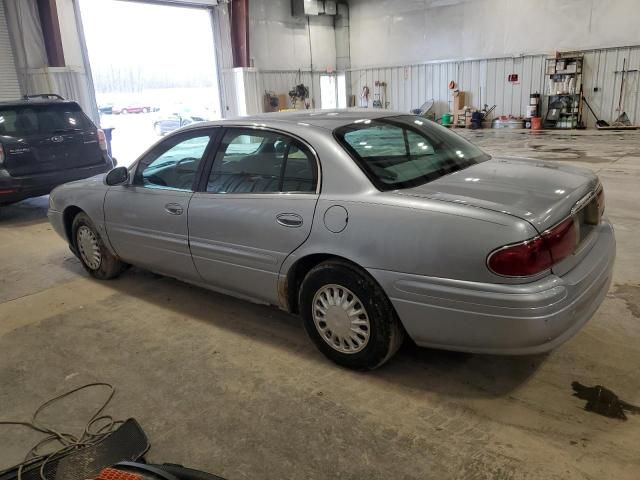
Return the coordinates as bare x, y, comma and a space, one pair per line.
348, 316
95, 257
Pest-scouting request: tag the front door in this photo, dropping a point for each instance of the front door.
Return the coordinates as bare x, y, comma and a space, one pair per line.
255, 208
146, 220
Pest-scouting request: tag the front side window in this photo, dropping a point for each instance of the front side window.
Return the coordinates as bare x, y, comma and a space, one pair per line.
174, 163
406, 151
251, 161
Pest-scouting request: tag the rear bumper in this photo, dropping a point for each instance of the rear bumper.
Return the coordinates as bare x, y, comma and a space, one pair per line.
503, 319
14, 189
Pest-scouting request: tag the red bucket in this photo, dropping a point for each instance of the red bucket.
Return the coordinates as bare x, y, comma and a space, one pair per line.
536, 123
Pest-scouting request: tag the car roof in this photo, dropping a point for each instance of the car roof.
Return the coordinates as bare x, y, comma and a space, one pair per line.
326, 119
35, 101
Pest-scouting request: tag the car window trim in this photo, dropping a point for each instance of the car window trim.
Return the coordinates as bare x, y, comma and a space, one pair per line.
212, 131
202, 187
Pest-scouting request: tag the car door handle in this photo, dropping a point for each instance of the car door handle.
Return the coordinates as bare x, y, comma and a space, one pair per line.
289, 220
173, 209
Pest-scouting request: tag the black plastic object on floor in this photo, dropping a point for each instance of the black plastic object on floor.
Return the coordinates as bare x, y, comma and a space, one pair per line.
128, 442
166, 471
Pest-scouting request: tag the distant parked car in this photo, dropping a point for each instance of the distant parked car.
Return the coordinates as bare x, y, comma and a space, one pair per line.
168, 122
106, 109
46, 142
133, 108
369, 224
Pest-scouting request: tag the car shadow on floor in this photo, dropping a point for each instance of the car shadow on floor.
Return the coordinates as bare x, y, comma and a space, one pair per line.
437, 371
25, 213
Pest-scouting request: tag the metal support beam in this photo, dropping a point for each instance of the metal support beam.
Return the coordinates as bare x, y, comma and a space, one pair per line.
48, 13
239, 13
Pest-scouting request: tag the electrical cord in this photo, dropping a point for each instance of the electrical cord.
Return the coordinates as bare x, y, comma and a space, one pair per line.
97, 428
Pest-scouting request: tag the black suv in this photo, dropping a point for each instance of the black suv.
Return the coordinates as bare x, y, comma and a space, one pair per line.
46, 141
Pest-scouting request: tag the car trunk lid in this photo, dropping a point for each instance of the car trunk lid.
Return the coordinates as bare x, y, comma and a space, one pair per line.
542, 193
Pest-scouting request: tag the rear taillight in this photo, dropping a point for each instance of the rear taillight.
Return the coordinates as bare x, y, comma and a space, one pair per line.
537, 254
102, 140
1, 154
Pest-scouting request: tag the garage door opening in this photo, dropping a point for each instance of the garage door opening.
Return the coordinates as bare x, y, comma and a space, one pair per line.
154, 70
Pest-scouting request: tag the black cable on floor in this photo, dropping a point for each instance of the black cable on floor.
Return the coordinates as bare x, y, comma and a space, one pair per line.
99, 426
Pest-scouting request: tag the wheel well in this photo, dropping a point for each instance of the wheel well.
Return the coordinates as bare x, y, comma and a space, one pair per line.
67, 217
299, 270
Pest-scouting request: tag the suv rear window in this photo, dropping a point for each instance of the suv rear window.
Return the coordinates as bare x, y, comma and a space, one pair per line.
405, 151
23, 120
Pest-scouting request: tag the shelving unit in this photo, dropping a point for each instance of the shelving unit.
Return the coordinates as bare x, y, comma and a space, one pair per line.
564, 92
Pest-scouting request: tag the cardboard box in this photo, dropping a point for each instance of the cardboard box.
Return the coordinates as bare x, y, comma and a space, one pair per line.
458, 101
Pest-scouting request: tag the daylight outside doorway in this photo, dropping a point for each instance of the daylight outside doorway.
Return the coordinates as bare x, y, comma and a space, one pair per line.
154, 70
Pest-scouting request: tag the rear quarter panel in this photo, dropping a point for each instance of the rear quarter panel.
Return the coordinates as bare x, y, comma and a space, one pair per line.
422, 237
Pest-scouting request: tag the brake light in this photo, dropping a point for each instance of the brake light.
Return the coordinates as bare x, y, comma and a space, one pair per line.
536, 254
102, 140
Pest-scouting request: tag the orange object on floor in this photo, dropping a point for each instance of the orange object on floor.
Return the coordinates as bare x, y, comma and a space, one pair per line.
536, 123
114, 474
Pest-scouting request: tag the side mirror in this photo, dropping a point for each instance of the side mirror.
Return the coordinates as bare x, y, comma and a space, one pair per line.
117, 176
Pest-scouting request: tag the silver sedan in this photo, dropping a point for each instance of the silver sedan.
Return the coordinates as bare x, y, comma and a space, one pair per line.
370, 225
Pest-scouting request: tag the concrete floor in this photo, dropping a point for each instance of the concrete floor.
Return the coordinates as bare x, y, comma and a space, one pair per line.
238, 390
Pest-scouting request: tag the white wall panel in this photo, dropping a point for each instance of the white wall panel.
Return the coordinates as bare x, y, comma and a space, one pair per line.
279, 41
9, 86
391, 32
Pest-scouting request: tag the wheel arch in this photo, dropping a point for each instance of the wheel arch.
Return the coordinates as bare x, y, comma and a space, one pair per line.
292, 281
68, 215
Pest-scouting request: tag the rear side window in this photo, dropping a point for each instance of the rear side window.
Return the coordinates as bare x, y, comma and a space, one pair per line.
262, 162
42, 119
405, 151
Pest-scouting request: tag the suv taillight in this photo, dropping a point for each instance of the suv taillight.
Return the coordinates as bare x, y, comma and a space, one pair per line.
102, 140
536, 254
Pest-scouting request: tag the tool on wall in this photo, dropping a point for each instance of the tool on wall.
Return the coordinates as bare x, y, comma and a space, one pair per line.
299, 93
599, 123
364, 97
380, 95
623, 118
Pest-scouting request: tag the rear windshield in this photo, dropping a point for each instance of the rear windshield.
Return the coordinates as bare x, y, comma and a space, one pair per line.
33, 119
406, 151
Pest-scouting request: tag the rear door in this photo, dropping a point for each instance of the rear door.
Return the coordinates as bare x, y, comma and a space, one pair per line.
255, 207
47, 138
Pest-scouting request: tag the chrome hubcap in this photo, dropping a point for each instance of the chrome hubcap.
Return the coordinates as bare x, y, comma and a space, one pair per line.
341, 319
89, 248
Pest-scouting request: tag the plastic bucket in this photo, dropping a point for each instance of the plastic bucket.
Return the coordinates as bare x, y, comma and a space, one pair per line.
536, 123
447, 118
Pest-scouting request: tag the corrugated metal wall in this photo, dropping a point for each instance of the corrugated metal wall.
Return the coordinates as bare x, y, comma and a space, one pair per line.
9, 86
281, 82
485, 82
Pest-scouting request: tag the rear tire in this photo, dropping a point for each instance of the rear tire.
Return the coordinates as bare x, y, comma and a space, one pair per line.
95, 257
348, 316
